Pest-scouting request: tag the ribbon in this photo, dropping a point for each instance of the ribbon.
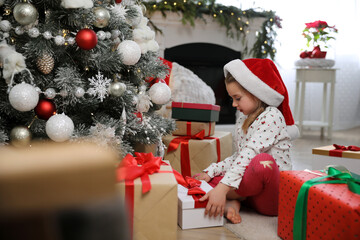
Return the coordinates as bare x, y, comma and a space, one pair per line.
188, 128
143, 165
185, 155
337, 152
338, 175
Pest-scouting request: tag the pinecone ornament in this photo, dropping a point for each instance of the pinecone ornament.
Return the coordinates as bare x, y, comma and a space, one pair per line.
45, 63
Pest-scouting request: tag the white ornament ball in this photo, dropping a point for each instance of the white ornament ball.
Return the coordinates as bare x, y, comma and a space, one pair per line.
34, 32
59, 127
79, 92
47, 35
102, 17
23, 97
160, 93
19, 30
5, 25
130, 52
117, 89
59, 40
50, 93
71, 40
25, 13
101, 35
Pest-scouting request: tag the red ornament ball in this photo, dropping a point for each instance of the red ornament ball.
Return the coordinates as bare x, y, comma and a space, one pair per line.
86, 39
45, 109
118, 1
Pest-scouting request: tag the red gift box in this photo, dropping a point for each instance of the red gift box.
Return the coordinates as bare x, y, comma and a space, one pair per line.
333, 211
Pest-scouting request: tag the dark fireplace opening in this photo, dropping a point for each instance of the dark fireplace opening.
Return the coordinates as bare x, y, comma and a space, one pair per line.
207, 60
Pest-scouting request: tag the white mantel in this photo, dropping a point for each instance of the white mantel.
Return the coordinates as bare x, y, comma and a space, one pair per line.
175, 33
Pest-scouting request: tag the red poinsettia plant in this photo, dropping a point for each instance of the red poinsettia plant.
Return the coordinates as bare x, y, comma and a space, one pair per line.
318, 34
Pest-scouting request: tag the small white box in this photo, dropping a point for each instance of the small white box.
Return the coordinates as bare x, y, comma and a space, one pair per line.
191, 217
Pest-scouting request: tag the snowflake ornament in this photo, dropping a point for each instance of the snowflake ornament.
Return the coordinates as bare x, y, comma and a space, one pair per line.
119, 11
100, 86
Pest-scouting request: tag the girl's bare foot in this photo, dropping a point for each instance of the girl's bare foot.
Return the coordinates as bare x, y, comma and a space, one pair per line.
232, 210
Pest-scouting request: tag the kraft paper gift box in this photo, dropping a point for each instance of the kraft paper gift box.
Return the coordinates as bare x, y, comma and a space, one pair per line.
201, 153
195, 111
329, 155
155, 212
188, 128
191, 213
48, 188
332, 210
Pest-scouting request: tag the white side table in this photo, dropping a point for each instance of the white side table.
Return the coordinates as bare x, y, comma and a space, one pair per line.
317, 75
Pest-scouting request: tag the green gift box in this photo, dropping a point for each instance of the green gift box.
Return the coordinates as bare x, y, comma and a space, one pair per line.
195, 112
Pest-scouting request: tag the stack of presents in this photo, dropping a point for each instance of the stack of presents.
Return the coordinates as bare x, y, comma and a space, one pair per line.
153, 195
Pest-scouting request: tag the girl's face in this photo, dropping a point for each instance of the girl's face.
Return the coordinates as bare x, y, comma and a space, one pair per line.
244, 101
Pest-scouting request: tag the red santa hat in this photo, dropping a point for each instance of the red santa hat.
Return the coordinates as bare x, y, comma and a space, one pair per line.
262, 79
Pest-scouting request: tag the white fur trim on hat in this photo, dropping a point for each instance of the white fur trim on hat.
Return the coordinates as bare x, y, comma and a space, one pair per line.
252, 83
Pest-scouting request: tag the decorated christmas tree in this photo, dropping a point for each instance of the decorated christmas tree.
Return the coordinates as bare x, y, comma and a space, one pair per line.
77, 70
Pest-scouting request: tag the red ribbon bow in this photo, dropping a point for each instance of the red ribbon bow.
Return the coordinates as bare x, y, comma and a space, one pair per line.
184, 154
348, 148
143, 165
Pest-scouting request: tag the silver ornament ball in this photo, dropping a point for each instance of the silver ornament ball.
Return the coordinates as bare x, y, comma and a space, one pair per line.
34, 32
50, 93
117, 89
102, 17
47, 35
19, 30
20, 136
25, 13
5, 25
79, 92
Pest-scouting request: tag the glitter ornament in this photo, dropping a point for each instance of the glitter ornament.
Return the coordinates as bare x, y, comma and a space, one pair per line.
102, 17
34, 32
160, 93
117, 89
59, 127
20, 136
5, 25
59, 40
101, 35
19, 30
25, 13
50, 93
86, 39
23, 97
130, 52
47, 35
79, 92
45, 109
45, 63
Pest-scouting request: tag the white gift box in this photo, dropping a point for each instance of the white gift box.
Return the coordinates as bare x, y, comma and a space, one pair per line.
191, 217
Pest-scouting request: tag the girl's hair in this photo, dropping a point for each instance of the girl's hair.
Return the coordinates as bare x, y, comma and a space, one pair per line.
252, 116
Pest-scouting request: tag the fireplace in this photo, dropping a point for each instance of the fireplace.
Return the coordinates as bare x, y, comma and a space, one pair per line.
207, 60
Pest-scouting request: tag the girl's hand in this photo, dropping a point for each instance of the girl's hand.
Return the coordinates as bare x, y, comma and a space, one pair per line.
217, 200
202, 176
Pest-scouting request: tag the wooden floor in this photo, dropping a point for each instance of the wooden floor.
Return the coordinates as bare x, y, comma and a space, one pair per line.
301, 152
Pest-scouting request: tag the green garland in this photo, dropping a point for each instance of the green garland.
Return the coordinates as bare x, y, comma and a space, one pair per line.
234, 19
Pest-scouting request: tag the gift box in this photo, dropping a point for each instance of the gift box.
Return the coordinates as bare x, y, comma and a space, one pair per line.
153, 214
50, 189
329, 155
191, 212
192, 154
186, 128
331, 211
195, 112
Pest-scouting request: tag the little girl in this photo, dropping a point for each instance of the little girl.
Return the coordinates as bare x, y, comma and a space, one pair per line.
262, 142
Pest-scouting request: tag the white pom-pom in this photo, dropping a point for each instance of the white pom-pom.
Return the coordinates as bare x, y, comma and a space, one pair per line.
23, 97
153, 46
160, 93
59, 127
130, 52
77, 4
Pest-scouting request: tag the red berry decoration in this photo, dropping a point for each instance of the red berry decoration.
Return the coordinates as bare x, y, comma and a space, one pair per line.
316, 53
45, 109
86, 39
118, 1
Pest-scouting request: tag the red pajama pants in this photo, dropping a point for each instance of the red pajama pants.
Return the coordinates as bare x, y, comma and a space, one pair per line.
260, 184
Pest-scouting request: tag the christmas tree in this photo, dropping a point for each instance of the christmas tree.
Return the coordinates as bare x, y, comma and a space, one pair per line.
75, 70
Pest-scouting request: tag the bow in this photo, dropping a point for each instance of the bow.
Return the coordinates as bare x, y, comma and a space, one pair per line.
143, 165
348, 148
175, 143
337, 175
